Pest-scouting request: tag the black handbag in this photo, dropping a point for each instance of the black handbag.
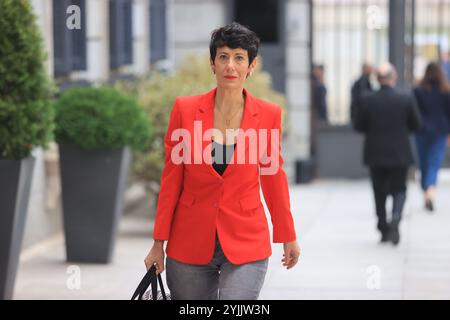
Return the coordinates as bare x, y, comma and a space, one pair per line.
150, 280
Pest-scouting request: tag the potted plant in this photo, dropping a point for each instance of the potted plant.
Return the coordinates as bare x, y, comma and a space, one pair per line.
26, 122
96, 129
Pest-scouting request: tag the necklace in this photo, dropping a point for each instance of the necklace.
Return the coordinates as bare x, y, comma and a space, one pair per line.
228, 121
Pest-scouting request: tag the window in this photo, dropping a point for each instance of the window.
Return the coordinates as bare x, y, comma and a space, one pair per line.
158, 33
261, 16
69, 45
120, 32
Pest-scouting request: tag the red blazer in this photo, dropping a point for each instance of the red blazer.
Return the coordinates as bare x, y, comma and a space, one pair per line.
195, 202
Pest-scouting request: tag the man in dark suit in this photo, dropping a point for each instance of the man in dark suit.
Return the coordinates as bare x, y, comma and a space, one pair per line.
319, 92
359, 88
387, 117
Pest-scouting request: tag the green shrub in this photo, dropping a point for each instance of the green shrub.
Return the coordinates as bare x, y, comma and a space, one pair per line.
26, 115
94, 118
158, 92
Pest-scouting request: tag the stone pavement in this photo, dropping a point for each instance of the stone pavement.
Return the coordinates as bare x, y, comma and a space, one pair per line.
341, 255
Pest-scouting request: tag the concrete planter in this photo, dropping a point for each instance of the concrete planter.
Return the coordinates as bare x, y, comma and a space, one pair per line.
15, 185
93, 184
340, 153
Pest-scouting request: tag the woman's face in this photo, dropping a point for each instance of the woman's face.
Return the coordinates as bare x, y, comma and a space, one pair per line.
231, 67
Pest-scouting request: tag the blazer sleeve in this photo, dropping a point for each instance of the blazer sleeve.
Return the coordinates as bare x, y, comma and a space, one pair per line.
171, 181
276, 192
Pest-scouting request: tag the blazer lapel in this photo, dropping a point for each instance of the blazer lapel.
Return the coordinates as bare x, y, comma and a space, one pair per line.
250, 121
205, 121
204, 118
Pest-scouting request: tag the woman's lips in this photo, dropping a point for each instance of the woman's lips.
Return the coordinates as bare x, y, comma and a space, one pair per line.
230, 77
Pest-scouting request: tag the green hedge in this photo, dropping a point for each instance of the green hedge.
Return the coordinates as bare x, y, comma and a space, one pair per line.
26, 115
94, 118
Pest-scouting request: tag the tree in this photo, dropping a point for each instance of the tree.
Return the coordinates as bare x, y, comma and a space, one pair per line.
26, 113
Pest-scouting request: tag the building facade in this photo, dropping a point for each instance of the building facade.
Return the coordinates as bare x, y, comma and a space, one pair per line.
95, 41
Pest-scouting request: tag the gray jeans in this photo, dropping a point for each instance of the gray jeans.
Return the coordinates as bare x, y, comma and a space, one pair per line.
219, 279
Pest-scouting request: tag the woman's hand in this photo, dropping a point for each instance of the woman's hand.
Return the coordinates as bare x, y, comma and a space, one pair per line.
291, 254
156, 257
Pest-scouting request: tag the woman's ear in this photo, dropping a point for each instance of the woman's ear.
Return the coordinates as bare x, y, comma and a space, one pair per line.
213, 67
253, 64
251, 68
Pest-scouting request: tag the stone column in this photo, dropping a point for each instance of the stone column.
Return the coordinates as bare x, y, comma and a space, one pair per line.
298, 61
97, 37
43, 11
141, 36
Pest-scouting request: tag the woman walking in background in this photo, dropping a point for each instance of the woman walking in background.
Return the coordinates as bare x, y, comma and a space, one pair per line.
433, 98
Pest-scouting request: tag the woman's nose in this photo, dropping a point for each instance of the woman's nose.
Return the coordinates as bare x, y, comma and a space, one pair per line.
230, 64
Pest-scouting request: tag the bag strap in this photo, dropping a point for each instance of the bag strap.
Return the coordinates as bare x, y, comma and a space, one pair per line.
150, 280
145, 283
154, 288
161, 286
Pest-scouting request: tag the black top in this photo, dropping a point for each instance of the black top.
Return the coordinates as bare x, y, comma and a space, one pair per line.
387, 117
434, 107
222, 157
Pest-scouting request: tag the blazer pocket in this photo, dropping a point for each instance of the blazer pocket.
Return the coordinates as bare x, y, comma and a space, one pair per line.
249, 203
187, 199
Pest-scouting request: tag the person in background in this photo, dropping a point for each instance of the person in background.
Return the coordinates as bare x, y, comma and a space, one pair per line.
386, 118
319, 92
433, 98
359, 88
445, 64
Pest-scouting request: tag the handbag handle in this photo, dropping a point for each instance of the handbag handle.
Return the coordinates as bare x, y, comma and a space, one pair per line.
150, 280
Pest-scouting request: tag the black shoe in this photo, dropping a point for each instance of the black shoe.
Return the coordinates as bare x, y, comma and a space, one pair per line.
394, 234
385, 236
383, 227
429, 205
385, 233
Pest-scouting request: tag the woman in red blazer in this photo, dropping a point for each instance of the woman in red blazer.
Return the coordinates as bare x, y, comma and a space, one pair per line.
220, 148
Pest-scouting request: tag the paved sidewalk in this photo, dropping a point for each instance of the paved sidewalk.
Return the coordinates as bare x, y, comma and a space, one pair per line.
341, 255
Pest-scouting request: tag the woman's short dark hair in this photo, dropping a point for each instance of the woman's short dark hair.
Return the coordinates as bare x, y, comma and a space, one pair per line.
234, 36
